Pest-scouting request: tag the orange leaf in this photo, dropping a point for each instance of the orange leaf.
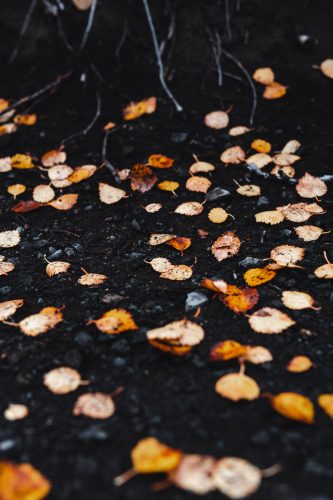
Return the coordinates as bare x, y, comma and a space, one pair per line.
240, 300
22, 482
294, 406
228, 349
115, 321
151, 456
180, 243
160, 161
176, 350
137, 109
142, 178
258, 276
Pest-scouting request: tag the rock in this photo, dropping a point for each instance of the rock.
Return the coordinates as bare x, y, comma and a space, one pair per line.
249, 261
217, 193
194, 300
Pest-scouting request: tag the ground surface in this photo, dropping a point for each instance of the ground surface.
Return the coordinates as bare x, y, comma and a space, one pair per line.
170, 398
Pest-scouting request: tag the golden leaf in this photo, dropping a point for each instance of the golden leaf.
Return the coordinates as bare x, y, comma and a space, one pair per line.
294, 406
151, 456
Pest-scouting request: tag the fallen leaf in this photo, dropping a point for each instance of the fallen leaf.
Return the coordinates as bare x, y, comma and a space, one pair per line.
82, 173
53, 157
14, 412
297, 300
326, 68
261, 146
287, 170
26, 206
168, 185
291, 147
300, 212
237, 386
219, 286
265, 76
217, 120
9, 239
260, 160
16, 189
299, 364
109, 194
240, 300
324, 272
82, 4
171, 348
159, 239
142, 178
22, 482
94, 405
6, 267
9, 128
62, 380
180, 243
235, 477
226, 350
57, 267
217, 215
285, 159
269, 320
257, 355
258, 276
325, 401
227, 245
151, 456
271, 217
310, 187
287, 255
294, 406
152, 208
36, 324
239, 130
60, 173
160, 161
136, 109
308, 233
160, 264
92, 279
64, 202
249, 190
177, 273
43, 193
233, 155
115, 321
5, 164
274, 90
184, 332
21, 161
201, 167
198, 184
194, 474
28, 120
189, 208
9, 308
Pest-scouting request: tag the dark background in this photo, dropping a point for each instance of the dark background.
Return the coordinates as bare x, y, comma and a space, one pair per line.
172, 399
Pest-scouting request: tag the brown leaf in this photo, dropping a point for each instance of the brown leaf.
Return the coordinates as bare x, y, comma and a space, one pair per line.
227, 245
142, 178
64, 202
270, 321
94, 405
310, 187
26, 206
217, 120
194, 473
240, 300
236, 478
234, 155
287, 255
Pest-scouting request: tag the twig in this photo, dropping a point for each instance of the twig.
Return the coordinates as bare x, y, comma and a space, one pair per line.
23, 30
215, 41
38, 93
159, 58
227, 19
122, 39
106, 162
102, 79
89, 126
89, 25
249, 79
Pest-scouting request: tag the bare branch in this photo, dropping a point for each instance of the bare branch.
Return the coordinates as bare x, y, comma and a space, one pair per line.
249, 79
89, 24
159, 57
23, 30
89, 126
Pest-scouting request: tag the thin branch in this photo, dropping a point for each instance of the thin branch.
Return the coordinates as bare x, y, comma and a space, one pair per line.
38, 93
122, 39
159, 57
23, 30
215, 41
85, 131
249, 79
105, 160
227, 19
89, 24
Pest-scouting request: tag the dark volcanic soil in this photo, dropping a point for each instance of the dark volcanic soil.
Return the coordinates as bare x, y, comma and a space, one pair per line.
167, 397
